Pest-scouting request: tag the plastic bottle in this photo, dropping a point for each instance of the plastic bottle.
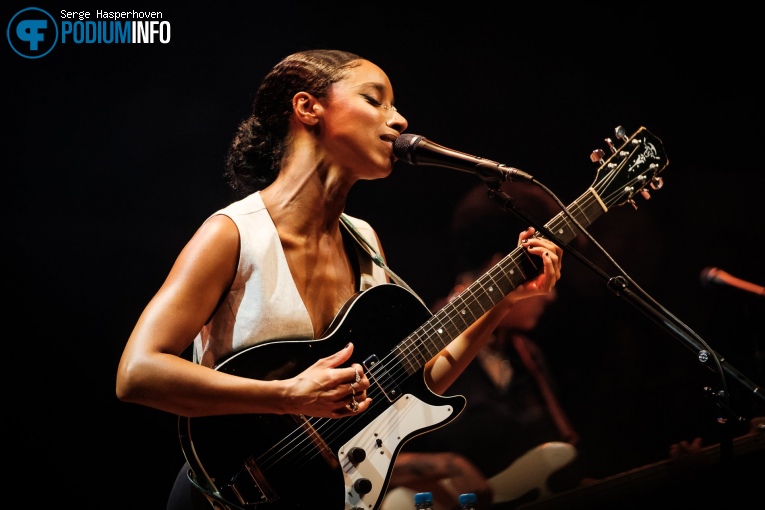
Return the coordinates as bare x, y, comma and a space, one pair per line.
423, 501
468, 501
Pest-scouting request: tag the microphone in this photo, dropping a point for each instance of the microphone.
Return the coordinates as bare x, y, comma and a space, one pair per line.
418, 150
715, 275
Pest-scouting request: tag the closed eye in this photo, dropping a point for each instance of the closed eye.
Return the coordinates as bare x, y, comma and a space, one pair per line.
375, 102
372, 100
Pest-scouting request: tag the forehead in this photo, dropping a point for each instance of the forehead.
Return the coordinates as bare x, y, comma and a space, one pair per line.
366, 75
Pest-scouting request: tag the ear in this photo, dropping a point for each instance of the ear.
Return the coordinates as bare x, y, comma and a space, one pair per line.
307, 108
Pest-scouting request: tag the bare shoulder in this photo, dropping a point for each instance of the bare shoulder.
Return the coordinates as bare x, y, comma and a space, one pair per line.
213, 249
217, 229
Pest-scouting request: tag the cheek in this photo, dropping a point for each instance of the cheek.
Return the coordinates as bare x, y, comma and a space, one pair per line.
350, 120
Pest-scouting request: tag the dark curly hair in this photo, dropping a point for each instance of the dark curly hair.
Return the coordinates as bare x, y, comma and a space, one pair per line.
256, 152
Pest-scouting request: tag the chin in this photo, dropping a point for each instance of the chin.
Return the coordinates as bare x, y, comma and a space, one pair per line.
383, 172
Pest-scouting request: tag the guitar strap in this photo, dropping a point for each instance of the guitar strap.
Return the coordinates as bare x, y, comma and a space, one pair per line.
375, 256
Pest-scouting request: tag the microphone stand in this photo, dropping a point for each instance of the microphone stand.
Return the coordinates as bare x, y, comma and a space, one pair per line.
619, 286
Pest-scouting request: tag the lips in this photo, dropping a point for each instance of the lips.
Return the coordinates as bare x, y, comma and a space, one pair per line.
389, 139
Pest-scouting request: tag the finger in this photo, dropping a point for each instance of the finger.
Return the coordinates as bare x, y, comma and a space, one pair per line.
526, 235
338, 358
363, 405
357, 405
353, 406
356, 376
355, 389
346, 392
549, 277
551, 257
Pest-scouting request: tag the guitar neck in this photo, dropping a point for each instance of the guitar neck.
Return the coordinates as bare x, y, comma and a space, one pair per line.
488, 290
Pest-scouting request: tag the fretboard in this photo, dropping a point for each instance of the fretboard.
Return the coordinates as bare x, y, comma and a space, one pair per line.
489, 289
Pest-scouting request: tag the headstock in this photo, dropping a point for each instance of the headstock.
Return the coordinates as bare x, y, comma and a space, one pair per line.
631, 168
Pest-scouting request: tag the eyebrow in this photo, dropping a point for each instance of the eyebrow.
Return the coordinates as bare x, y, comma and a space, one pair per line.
379, 87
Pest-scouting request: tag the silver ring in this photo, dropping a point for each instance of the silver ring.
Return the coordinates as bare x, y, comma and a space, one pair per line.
353, 390
353, 406
358, 377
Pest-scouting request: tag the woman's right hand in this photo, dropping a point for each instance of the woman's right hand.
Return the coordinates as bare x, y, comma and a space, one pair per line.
327, 391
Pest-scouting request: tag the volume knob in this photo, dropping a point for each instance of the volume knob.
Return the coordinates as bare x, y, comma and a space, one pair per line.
362, 486
357, 454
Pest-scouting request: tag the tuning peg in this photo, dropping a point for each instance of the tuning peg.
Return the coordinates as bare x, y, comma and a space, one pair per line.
656, 182
645, 194
610, 145
620, 133
597, 155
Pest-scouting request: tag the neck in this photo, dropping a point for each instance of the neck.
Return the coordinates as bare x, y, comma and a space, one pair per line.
304, 204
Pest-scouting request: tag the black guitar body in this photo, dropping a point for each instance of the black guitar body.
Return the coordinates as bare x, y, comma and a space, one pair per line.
288, 461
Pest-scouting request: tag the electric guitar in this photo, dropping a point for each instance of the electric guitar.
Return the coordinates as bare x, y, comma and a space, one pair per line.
641, 480
523, 485
526, 479
286, 462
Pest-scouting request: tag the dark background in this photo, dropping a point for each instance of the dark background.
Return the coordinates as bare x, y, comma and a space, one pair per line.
113, 156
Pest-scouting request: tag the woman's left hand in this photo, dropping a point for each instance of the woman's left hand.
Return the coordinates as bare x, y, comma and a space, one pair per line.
550, 254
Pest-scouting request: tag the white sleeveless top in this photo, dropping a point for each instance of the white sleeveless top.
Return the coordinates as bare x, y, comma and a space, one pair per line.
263, 302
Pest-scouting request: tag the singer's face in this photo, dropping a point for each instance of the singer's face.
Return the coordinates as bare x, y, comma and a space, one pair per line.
361, 123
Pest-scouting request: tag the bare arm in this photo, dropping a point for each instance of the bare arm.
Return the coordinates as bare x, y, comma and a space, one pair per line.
153, 373
446, 366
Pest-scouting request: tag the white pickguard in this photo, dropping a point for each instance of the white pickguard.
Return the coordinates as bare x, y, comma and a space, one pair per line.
381, 440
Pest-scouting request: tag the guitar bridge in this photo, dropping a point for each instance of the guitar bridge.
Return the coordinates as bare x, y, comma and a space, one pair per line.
249, 487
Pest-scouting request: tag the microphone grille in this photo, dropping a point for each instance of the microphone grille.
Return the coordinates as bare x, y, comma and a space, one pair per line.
404, 146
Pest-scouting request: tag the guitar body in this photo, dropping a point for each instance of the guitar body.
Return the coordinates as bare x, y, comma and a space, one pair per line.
289, 462
529, 475
526, 479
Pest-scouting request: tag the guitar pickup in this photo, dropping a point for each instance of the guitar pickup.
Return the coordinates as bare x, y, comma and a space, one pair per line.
384, 380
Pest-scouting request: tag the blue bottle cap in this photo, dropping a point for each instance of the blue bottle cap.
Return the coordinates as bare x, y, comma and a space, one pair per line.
423, 497
468, 497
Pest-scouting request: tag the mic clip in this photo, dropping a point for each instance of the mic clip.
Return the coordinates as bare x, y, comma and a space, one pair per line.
492, 172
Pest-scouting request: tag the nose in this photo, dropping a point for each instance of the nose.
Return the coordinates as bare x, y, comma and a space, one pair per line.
397, 121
